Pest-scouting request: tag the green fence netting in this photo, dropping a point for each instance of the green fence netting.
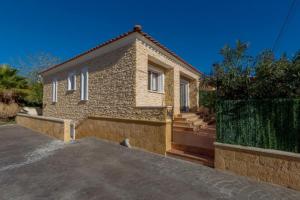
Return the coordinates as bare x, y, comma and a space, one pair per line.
270, 124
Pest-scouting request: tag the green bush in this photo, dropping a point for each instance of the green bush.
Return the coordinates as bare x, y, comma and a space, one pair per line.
241, 76
270, 124
17, 88
208, 99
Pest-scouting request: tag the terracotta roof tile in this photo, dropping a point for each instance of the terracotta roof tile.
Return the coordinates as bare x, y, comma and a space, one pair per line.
136, 29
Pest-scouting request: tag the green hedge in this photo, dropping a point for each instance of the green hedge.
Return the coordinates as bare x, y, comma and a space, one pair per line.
208, 99
270, 124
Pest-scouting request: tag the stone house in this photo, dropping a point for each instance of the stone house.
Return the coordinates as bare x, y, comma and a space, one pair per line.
128, 87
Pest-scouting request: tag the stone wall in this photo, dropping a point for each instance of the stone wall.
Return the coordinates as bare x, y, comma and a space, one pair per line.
118, 86
278, 167
149, 135
194, 95
111, 90
169, 87
57, 128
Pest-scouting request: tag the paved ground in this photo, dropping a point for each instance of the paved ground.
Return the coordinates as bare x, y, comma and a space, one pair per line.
34, 166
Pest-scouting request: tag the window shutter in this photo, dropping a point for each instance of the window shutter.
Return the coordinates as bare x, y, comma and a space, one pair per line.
72, 81
86, 96
69, 82
81, 86
74, 78
84, 85
161, 83
54, 90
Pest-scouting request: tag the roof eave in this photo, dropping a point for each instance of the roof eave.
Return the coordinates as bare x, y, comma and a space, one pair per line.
135, 30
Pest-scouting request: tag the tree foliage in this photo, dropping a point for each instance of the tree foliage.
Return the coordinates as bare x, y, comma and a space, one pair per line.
241, 76
22, 84
9, 78
208, 99
13, 87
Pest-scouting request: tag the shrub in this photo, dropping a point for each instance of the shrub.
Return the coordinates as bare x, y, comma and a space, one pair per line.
8, 111
208, 99
240, 76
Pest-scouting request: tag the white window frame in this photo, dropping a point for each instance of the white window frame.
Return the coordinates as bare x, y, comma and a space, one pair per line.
160, 80
84, 85
54, 90
72, 74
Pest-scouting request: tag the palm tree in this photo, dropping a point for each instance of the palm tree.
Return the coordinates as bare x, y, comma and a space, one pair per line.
13, 87
9, 78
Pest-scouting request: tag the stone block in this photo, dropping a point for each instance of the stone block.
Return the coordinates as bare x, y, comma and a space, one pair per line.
151, 136
54, 127
275, 167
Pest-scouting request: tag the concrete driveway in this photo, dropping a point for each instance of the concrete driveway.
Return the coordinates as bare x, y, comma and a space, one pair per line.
34, 166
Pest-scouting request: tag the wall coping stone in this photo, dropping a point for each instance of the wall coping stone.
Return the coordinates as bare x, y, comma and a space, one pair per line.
44, 118
260, 151
130, 120
151, 107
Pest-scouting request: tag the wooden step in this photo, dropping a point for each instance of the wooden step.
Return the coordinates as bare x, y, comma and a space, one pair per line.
195, 158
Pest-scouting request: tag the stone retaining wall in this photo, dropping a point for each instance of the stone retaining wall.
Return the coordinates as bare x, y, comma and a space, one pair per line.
278, 167
152, 136
54, 127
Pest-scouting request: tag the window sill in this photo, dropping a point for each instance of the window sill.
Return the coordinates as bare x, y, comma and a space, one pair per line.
82, 102
157, 92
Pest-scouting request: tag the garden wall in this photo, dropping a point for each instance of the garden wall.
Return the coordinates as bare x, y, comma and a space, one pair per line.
54, 127
278, 167
260, 139
154, 136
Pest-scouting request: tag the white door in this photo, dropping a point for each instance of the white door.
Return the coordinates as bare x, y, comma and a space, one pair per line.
184, 96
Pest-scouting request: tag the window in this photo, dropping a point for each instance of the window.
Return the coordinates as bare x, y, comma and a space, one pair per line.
84, 85
155, 80
54, 91
72, 81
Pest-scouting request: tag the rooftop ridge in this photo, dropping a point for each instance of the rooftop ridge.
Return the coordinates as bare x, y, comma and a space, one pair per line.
136, 29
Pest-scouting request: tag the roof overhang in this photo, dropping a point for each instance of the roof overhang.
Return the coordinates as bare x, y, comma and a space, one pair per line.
120, 41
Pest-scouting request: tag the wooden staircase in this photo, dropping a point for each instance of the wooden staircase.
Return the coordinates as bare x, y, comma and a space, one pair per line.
193, 139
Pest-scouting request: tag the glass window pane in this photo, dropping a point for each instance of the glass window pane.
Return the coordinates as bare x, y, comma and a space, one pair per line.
154, 81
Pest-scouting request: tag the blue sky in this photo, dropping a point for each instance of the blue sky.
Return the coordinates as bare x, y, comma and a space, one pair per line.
195, 30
